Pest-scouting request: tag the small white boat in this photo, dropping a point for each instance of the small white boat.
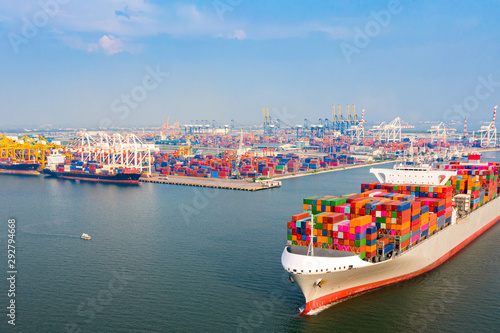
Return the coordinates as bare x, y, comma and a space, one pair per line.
85, 236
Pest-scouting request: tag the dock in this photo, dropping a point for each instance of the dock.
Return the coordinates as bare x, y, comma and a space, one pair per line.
224, 184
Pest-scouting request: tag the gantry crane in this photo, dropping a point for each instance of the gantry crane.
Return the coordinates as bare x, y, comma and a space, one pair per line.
27, 149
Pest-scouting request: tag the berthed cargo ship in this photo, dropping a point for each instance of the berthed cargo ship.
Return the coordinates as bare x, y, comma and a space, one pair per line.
90, 171
10, 166
411, 221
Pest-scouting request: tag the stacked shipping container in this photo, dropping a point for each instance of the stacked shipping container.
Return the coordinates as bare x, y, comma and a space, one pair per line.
392, 216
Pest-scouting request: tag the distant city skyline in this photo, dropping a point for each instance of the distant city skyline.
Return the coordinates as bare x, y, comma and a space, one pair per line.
135, 62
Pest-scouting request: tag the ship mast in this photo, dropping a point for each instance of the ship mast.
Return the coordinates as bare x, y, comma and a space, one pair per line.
310, 250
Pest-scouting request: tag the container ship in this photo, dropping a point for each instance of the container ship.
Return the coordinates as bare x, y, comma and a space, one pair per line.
409, 222
10, 166
91, 171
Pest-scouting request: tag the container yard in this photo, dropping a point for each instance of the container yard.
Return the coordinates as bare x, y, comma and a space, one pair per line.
246, 166
225, 155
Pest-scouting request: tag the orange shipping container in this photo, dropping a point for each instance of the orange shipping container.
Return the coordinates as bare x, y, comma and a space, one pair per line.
384, 240
360, 221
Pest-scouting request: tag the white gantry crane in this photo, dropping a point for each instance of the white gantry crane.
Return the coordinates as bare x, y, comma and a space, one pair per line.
117, 150
390, 132
441, 132
489, 132
357, 132
378, 131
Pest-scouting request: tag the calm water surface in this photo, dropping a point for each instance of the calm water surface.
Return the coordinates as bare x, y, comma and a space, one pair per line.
180, 259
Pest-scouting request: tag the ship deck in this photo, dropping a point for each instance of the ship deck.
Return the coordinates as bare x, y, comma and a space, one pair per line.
326, 253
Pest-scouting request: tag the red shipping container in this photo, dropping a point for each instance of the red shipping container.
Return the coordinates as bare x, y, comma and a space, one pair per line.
334, 218
300, 216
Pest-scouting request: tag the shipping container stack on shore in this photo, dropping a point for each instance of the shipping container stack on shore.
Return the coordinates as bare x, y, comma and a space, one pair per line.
250, 166
387, 217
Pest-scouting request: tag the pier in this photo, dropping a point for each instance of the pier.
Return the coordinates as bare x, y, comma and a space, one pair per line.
225, 184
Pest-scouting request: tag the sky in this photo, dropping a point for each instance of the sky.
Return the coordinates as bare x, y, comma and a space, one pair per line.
134, 62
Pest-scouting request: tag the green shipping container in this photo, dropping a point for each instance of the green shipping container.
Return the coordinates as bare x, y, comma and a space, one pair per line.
308, 201
333, 202
359, 243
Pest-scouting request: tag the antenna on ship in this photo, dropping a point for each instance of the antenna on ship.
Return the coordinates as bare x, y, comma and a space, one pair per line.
310, 250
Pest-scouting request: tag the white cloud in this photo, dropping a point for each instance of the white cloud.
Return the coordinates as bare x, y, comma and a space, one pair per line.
115, 26
189, 12
238, 34
111, 45
76, 42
